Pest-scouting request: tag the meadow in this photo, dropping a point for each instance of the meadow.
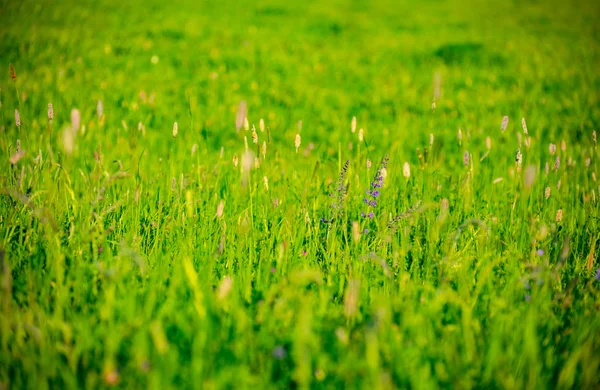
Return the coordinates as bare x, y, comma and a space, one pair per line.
272, 194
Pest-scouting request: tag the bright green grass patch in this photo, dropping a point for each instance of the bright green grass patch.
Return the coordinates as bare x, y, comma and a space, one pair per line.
133, 258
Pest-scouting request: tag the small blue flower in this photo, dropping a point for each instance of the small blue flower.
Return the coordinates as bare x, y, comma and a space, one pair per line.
366, 231
597, 274
540, 252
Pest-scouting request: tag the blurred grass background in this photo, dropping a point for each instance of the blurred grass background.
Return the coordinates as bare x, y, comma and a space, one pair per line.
116, 272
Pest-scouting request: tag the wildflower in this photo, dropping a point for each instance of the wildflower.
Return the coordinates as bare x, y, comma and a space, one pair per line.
559, 215
373, 192
175, 129
50, 112
361, 135
552, 149
261, 125
75, 120
406, 170
111, 377
488, 143
240, 115
99, 109
597, 277
297, 142
460, 136
504, 123
266, 181
466, 158
540, 252
524, 125
17, 119
353, 125
431, 140
13, 74
547, 192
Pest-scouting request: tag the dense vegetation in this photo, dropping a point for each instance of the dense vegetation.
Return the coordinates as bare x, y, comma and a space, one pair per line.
198, 207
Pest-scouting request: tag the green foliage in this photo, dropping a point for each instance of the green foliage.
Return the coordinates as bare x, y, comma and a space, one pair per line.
134, 258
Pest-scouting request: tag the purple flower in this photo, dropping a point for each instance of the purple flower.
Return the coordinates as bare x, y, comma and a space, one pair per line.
375, 194
540, 252
366, 231
597, 274
527, 297
279, 352
370, 215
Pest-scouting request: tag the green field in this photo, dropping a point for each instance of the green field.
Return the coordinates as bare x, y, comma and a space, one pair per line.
149, 239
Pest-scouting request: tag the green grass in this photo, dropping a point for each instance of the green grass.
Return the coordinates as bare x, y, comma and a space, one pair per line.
116, 269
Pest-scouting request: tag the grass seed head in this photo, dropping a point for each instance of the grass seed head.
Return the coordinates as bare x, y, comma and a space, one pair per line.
524, 126
175, 129
13, 74
263, 150
559, 215
246, 124
75, 120
547, 192
261, 125
552, 149
460, 136
431, 140
100, 109
266, 182
297, 142
240, 115
17, 119
361, 135
369, 164
353, 125
563, 145
488, 143
254, 135
466, 158
504, 123
406, 170
220, 208
50, 112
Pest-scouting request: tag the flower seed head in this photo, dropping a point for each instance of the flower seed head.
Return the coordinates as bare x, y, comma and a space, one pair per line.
559, 215
361, 135
17, 119
254, 135
175, 129
50, 112
547, 192
466, 158
264, 149
524, 126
